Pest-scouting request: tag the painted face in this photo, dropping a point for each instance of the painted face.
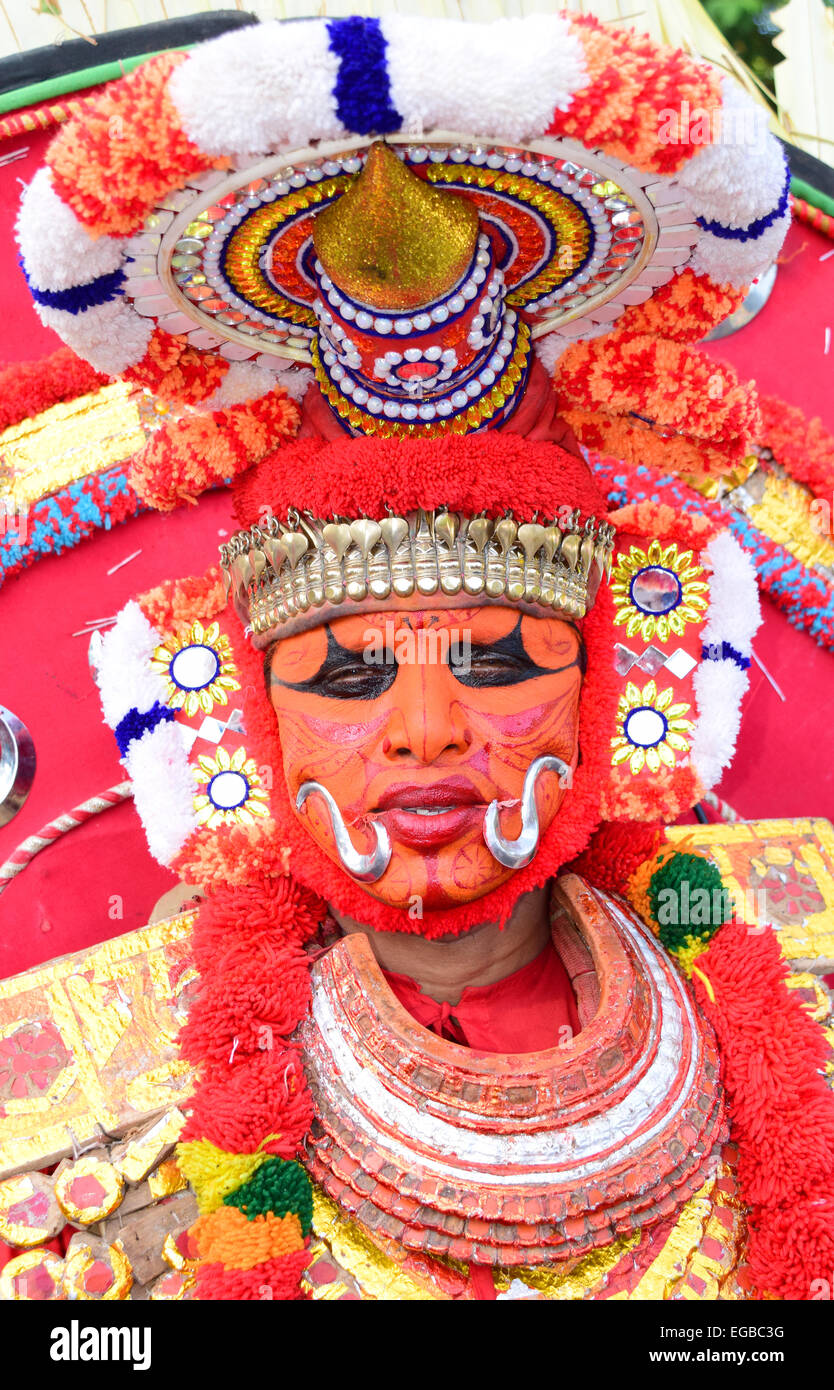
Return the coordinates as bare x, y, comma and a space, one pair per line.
419, 720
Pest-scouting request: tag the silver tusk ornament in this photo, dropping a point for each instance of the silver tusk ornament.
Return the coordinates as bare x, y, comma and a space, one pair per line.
515, 854
365, 868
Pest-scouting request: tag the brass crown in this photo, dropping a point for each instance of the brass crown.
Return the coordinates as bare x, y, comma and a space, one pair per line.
283, 569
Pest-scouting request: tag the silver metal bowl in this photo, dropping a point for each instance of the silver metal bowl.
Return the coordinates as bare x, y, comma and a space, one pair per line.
17, 764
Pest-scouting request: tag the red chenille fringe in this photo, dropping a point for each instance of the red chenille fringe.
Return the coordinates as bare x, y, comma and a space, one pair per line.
27, 388
781, 1109
803, 447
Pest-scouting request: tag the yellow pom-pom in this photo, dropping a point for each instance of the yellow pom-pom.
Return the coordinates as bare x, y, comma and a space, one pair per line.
213, 1173
688, 953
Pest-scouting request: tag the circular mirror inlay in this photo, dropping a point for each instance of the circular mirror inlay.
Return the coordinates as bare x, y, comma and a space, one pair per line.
194, 667
655, 590
645, 727
228, 790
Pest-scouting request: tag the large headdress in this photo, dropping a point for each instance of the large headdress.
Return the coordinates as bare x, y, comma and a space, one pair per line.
202, 230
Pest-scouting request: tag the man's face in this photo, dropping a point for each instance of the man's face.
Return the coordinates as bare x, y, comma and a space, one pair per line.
419, 720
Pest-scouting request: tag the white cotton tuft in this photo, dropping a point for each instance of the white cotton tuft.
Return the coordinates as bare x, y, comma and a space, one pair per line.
736, 263
740, 176
734, 614
57, 250
163, 789
111, 337
504, 79
549, 349
246, 381
259, 89
719, 688
123, 674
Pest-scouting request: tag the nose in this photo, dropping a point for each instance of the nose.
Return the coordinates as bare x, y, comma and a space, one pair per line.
425, 719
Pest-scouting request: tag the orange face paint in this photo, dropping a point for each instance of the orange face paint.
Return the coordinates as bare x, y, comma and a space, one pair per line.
419, 720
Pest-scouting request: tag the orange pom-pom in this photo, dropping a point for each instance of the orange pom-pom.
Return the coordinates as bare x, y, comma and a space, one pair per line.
228, 1236
199, 451
125, 150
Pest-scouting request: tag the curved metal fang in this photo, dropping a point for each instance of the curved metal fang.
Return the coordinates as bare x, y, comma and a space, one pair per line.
366, 868
514, 854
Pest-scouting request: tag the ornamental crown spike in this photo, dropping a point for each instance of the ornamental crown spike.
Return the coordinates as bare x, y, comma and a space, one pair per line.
393, 241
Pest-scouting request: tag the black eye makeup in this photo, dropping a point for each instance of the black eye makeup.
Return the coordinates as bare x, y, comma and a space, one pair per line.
505, 662
347, 675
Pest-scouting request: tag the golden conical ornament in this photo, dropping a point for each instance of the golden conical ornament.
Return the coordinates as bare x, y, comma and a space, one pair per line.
392, 241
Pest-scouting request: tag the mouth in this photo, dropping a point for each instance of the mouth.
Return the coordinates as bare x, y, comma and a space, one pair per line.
431, 816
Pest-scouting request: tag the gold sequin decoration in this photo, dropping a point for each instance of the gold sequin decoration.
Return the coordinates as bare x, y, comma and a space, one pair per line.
80, 1262
564, 216
735, 848
378, 1276
32, 1190
241, 265
393, 241
784, 515
99, 1182
67, 442
475, 418
113, 1078
820, 1007
574, 1279
142, 1153
688, 607
166, 1180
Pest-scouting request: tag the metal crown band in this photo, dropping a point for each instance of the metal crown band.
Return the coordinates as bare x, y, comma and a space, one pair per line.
281, 570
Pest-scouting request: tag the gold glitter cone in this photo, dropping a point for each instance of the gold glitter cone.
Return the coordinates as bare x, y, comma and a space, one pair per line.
392, 241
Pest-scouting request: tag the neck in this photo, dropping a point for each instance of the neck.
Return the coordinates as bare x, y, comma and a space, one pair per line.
445, 967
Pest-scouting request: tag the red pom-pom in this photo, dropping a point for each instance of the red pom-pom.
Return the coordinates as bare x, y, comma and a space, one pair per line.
274, 1279
615, 852
249, 1008
791, 1251
238, 1108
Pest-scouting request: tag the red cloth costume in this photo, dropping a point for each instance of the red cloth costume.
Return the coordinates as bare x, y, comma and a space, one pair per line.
527, 1011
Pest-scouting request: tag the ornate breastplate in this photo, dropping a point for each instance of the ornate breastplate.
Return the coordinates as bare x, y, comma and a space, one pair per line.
521, 1160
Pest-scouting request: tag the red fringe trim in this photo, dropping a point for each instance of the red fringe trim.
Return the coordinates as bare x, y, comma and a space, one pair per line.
27, 388
781, 1109
803, 447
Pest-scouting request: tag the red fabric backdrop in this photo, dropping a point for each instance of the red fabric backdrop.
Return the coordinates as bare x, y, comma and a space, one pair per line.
100, 880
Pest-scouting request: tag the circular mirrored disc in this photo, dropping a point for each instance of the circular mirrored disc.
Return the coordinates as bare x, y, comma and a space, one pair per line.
17, 764
655, 590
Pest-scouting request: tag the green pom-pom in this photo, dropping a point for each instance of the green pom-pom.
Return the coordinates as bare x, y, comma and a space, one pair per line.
280, 1187
688, 900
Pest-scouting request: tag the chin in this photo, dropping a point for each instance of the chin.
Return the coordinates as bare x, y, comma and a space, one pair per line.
429, 880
